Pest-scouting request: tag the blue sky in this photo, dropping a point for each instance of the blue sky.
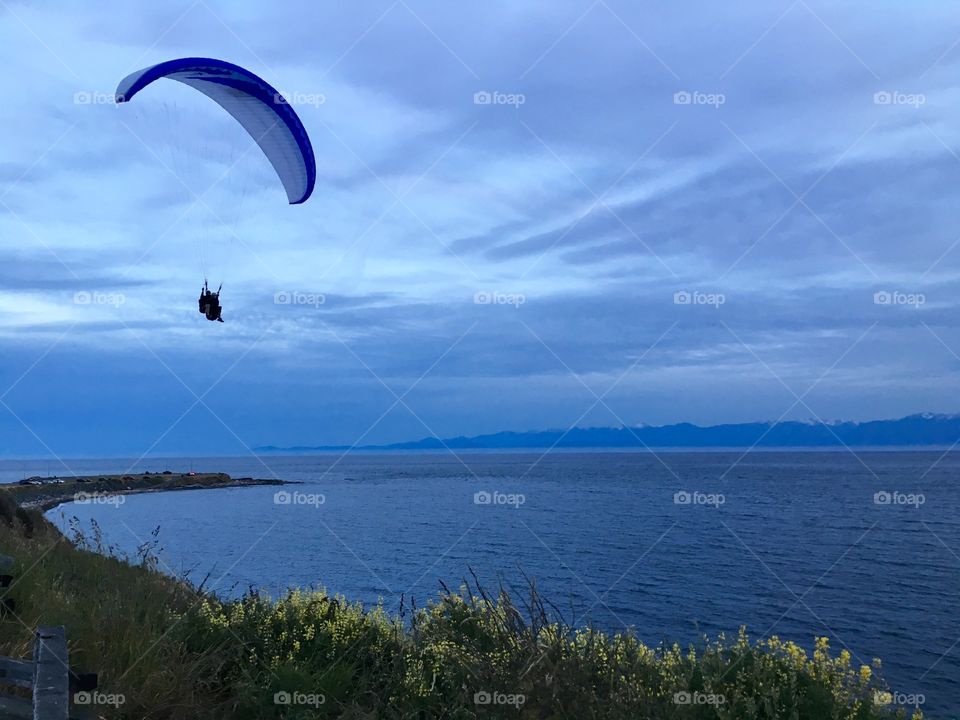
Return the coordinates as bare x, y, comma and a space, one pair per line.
689, 212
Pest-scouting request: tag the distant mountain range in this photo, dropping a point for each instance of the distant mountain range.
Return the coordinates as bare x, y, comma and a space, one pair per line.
914, 431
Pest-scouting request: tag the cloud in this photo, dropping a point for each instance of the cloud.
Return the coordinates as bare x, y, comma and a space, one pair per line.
795, 160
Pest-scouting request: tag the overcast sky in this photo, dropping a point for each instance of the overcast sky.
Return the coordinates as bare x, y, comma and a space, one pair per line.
666, 212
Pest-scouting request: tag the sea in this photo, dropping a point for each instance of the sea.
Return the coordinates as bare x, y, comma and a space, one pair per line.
860, 547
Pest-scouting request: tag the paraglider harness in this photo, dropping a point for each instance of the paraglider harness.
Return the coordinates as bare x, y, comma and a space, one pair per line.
210, 303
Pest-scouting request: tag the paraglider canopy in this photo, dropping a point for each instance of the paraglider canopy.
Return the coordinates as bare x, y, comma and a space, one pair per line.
254, 103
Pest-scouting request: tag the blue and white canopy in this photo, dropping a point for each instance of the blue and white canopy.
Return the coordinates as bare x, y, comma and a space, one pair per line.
261, 110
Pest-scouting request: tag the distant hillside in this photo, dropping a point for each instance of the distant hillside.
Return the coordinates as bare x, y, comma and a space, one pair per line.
913, 431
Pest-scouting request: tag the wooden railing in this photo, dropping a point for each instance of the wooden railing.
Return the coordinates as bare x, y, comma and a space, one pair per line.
47, 675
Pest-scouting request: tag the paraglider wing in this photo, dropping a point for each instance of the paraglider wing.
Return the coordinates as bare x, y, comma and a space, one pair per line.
253, 102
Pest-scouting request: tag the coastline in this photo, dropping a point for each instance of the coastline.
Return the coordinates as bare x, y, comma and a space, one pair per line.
200, 657
48, 493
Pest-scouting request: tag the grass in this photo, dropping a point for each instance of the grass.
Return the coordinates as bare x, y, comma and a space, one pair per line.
173, 651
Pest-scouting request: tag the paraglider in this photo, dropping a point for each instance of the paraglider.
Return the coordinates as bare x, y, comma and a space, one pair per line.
262, 111
210, 303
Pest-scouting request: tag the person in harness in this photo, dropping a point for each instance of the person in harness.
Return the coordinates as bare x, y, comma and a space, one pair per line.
210, 303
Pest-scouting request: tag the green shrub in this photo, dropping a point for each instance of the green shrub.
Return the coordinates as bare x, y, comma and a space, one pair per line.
175, 652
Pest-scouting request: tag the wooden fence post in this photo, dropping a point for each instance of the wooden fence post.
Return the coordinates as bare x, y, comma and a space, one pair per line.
47, 676
51, 675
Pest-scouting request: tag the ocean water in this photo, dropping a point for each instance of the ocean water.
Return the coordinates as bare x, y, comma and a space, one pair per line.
863, 549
